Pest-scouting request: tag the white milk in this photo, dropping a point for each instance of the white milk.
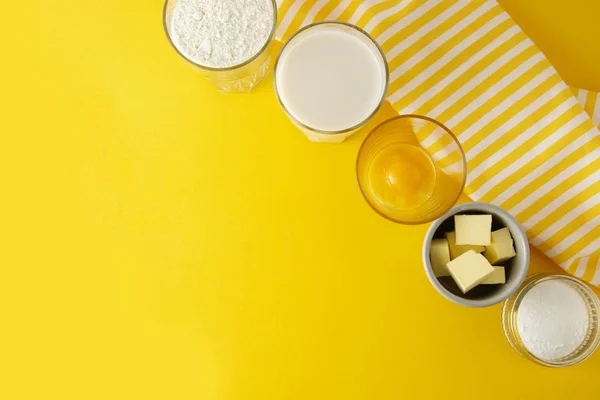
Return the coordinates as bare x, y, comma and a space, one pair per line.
329, 79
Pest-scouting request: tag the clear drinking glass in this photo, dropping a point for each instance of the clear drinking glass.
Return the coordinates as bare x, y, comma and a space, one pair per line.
411, 169
586, 348
315, 134
240, 78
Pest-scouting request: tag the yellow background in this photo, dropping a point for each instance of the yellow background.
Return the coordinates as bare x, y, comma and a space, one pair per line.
163, 241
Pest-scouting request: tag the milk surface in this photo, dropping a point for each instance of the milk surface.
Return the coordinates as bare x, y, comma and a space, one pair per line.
330, 80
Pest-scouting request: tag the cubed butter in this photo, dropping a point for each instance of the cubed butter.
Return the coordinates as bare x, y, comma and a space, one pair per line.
473, 229
456, 250
439, 255
501, 248
469, 270
497, 277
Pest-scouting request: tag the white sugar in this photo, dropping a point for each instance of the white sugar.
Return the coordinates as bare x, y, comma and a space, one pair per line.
221, 33
552, 320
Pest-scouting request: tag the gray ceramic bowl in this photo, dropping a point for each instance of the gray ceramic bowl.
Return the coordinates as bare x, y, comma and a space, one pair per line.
516, 268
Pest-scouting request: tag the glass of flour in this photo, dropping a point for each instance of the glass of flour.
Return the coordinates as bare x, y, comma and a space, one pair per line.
227, 41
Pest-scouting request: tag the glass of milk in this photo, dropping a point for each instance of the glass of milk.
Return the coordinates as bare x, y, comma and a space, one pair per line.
330, 79
203, 32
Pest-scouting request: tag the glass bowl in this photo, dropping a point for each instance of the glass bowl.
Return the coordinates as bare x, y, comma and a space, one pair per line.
240, 78
411, 169
586, 348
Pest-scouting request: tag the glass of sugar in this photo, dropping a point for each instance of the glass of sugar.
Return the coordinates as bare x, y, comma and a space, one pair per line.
227, 41
330, 79
553, 320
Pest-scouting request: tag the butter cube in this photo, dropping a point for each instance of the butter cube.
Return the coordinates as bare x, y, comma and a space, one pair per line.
439, 255
497, 277
473, 229
501, 248
469, 270
456, 250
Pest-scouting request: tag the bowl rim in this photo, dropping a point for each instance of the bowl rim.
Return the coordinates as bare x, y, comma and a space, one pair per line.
516, 231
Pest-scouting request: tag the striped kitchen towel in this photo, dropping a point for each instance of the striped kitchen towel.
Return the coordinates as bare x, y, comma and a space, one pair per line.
531, 147
590, 102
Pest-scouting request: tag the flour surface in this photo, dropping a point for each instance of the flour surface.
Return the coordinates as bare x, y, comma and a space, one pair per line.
221, 33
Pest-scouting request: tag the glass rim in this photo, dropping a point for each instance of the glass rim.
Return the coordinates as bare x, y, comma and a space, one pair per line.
510, 310
463, 159
385, 88
222, 69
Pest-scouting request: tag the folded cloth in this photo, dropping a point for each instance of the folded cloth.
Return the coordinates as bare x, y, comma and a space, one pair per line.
531, 148
590, 101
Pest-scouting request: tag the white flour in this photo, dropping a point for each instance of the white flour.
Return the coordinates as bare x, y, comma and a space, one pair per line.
221, 33
552, 320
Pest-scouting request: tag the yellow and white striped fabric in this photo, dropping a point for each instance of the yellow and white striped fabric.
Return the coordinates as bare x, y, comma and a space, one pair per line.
531, 147
590, 102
